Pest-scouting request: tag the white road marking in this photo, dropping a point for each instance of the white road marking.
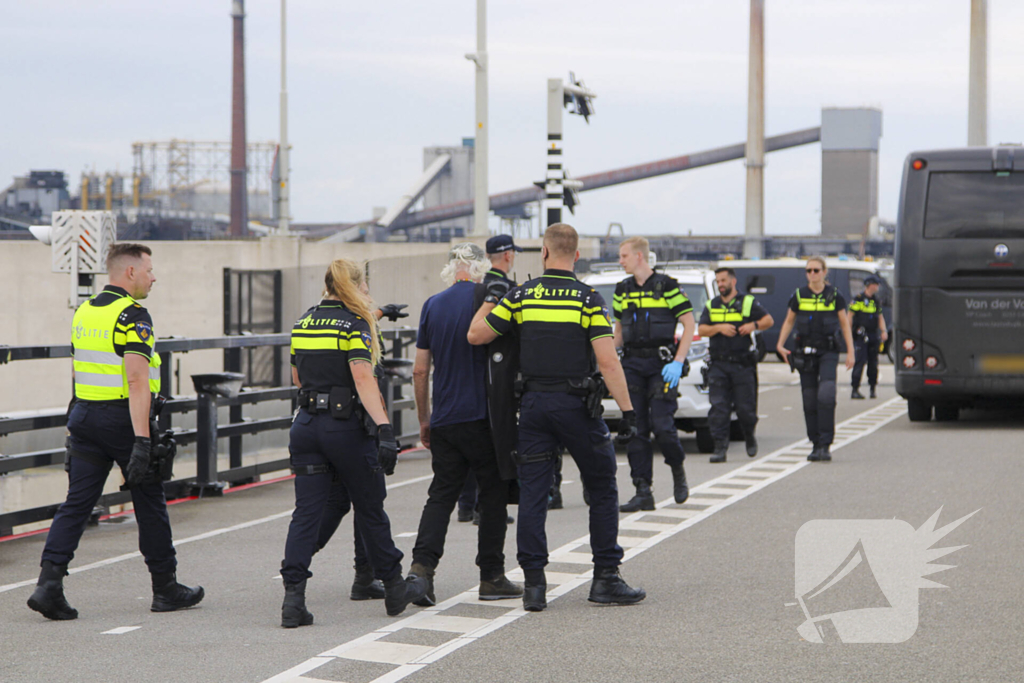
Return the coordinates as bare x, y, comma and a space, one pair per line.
120, 630
406, 534
198, 537
367, 646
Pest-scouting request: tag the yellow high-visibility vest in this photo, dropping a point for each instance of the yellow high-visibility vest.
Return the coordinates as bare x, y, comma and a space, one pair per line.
99, 371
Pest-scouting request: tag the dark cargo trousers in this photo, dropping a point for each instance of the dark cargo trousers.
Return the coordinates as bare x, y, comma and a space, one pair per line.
655, 410
103, 432
865, 352
549, 421
732, 386
818, 386
318, 440
337, 506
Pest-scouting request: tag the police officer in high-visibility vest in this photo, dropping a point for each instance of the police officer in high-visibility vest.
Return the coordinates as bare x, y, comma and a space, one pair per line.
341, 431
116, 374
730, 321
818, 311
647, 306
869, 333
564, 336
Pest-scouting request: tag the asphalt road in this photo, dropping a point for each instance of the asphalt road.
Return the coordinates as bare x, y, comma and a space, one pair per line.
720, 576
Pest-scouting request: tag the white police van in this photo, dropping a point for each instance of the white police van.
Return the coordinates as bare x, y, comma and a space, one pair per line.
697, 280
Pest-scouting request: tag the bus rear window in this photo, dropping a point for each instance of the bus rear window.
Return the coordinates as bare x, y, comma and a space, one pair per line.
973, 205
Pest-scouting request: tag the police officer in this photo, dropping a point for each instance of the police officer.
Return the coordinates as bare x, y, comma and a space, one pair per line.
647, 306
116, 374
364, 585
335, 346
729, 321
818, 311
868, 333
501, 251
563, 330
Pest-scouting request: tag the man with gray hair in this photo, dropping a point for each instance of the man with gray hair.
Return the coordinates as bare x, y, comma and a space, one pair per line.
455, 427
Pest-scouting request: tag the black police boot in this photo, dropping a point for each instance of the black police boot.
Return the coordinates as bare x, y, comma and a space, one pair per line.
751, 444
399, 592
608, 588
824, 455
465, 514
169, 595
48, 597
364, 586
555, 498
499, 588
293, 609
680, 490
643, 500
535, 597
719, 454
815, 454
872, 393
856, 393
427, 574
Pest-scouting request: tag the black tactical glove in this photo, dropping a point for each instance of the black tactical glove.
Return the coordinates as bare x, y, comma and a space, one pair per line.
394, 311
627, 427
387, 449
496, 289
138, 464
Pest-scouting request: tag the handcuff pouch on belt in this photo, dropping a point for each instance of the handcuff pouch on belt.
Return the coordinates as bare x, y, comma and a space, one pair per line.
341, 402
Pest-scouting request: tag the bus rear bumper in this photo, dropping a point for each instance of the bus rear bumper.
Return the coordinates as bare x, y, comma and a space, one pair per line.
941, 388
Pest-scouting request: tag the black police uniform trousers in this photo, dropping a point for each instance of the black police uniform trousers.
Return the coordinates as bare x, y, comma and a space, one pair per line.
467, 499
455, 450
731, 386
818, 386
655, 410
337, 506
103, 432
319, 439
547, 422
865, 350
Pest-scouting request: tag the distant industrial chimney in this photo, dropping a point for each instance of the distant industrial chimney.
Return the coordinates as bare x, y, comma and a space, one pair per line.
239, 208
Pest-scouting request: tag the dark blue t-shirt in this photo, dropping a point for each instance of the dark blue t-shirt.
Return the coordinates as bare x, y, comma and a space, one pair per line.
460, 369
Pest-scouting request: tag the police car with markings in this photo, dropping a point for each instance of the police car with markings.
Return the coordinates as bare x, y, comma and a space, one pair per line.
697, 281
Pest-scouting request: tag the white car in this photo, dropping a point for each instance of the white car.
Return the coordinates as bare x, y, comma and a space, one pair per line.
697, 281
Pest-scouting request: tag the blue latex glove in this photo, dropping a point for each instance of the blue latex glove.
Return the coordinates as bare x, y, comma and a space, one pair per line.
671, 373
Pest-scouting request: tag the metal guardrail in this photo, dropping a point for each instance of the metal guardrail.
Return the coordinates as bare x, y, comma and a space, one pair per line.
208, 480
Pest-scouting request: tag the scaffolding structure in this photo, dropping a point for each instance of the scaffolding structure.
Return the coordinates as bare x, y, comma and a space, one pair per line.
193, 175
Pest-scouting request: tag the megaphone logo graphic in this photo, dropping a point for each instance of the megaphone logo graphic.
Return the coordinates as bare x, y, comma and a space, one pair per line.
857, 580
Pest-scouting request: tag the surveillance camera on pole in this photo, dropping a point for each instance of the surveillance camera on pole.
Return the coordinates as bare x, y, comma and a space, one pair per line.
79, 242
560, 94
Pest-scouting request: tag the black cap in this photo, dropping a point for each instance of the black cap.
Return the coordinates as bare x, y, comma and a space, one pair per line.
500, 243
871, 280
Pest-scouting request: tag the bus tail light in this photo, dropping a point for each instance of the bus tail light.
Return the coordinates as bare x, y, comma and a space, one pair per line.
934, 382
931, 362
918, 164
909, 344
909, 362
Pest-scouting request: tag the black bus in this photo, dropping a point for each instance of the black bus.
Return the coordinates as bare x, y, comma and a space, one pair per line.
959, 281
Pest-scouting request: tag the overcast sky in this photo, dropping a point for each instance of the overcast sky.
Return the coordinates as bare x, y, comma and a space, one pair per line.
372, 83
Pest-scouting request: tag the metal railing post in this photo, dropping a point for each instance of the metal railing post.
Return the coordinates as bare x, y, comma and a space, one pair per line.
206, 446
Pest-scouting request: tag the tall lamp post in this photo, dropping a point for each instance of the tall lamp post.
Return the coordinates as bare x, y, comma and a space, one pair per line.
753, 245
977, 88
284, 214
481, 201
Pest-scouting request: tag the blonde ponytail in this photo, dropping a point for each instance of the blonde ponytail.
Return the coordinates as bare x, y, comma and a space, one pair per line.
342, 282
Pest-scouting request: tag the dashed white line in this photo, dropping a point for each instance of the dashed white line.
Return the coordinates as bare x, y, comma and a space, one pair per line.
411, 658
120, 630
